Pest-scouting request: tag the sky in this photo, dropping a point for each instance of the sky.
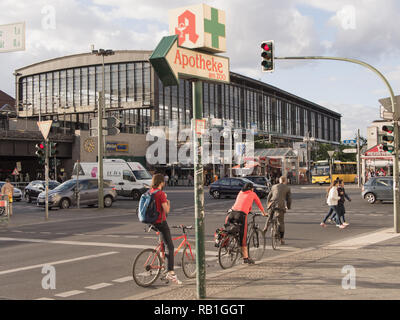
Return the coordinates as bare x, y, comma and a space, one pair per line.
366, 30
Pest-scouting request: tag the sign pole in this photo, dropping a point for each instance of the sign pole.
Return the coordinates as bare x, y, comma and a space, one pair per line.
358, 159
197, 87
46, 173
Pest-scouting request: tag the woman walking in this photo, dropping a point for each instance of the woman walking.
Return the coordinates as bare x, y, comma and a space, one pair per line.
332, 201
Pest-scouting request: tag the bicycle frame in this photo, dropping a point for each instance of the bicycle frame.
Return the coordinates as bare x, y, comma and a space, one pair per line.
160, 249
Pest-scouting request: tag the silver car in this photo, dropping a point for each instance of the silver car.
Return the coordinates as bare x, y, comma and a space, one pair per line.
17, 194
66, 194
378, 188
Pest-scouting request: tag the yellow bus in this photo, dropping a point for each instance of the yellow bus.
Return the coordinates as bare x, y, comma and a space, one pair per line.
346, 171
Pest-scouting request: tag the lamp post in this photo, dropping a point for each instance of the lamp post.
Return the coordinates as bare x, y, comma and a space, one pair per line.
330, 153
308, 139
100, 110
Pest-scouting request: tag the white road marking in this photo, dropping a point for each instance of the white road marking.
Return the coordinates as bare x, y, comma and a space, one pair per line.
124, 279
57, 262
69, 293
45, 299
365, 240
91, 244
99, 286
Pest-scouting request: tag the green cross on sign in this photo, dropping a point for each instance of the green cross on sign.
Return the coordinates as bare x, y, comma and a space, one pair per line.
214, 27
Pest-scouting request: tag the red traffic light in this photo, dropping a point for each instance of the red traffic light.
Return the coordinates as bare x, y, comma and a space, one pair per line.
388, 129
41, 146
265, 46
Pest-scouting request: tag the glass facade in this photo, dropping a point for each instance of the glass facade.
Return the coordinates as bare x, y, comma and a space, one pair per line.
63, 95
247, 108
71, 96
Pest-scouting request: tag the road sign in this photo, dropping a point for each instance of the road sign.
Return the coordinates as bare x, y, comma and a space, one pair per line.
19, 167
352, 150
331, 153
172, 62
15, 172
44, 127
351, 142
386, 115
12, 37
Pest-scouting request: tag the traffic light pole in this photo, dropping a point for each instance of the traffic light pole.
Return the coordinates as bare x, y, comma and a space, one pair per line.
396, 118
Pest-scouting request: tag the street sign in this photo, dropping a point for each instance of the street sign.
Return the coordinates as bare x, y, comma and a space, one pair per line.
12, 37
386, 115
172, 62
44, 127
19, 167
15, 172
331, 153
352, 150
351, 142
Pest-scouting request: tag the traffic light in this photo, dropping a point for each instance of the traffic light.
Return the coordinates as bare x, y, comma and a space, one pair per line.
388, 138
40, 150
53, 149
268, 56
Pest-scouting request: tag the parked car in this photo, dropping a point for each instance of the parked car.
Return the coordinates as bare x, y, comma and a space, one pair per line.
378, 188
34, 188
64, 196
17, 195
232, 186
260, 180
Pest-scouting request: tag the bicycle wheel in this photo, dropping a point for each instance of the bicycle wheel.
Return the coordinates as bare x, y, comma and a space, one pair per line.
256, 245
146, 268
228, 252
189, 262
275, 236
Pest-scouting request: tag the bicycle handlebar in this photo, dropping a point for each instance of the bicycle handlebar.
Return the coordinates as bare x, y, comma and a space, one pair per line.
183, 227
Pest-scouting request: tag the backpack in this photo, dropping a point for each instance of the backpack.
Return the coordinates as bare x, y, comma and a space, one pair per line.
147, 210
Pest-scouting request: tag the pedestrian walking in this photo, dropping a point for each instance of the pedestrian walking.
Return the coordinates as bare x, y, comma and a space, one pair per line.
279, 199
332, 201
8, 190
343, 196
166, 179
190, 180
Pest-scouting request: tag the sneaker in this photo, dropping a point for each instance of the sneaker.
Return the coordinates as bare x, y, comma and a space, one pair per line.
346, 223
322, 224
173, 278
282, 242
342, 226
248, 260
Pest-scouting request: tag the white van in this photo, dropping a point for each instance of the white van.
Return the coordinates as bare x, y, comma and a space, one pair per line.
130, 179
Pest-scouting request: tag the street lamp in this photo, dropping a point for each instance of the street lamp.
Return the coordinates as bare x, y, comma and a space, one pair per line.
101, 107
330, 153
308, 139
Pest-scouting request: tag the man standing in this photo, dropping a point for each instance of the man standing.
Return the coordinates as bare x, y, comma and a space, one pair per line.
8, 190
278, 200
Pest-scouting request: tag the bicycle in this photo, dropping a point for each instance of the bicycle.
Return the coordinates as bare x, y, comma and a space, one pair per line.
149, 263
256, 239
275, 234
229, 247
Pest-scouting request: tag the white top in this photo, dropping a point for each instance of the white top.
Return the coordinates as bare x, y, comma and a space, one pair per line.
333, 197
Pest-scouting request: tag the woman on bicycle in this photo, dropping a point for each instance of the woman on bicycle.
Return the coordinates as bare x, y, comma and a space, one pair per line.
240, 210
163, 207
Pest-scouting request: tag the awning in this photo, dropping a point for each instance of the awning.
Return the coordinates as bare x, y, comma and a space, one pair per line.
247, 165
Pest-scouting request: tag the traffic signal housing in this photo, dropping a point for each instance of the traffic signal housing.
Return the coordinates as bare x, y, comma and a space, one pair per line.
40, 150
53, 149
267, 54
388, 138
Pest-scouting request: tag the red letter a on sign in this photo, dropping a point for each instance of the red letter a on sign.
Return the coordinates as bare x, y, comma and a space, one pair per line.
186, 25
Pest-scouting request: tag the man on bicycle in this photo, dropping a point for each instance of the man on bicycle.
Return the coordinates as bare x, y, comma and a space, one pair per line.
240, 210
163, 207
279, 194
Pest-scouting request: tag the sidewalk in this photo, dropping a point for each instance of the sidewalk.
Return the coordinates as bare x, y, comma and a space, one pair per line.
313, 273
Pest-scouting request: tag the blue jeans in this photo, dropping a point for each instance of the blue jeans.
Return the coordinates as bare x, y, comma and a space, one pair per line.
332, 209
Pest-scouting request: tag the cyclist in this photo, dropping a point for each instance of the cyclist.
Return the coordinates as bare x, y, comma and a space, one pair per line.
279, 194
163, 207
239, 212
8, 190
